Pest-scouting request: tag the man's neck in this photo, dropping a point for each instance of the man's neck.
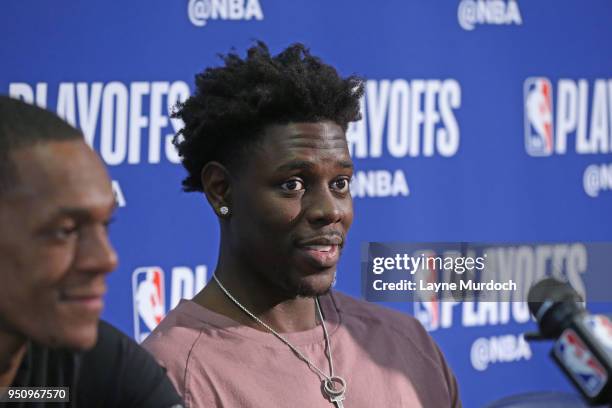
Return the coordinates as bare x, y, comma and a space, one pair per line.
12, 351
285, 315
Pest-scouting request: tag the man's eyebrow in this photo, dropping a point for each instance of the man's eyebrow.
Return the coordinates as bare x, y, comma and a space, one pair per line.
74, 212
79, 212
295, 165
346, 164
306, 165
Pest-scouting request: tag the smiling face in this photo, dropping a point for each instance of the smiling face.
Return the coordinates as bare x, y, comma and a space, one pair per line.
54, 248
291, 207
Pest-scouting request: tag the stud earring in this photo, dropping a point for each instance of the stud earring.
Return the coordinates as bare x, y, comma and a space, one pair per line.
224, 210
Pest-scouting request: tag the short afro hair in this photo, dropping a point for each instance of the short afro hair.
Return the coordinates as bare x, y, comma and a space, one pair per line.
232, 104
23, 125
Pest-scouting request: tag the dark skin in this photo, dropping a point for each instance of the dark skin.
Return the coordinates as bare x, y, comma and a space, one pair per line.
290, 210
54, 250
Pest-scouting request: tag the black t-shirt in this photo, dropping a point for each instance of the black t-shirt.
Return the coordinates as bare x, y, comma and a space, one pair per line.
115, 373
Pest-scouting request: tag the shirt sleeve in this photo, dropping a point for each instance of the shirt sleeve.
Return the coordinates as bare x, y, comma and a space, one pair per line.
451, 380
117, 372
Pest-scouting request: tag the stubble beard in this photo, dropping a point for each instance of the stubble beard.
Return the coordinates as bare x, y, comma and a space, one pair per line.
306, 291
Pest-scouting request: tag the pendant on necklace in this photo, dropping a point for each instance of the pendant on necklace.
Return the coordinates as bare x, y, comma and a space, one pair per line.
335, 388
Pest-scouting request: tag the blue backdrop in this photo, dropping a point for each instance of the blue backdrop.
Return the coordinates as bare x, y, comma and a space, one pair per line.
483, 121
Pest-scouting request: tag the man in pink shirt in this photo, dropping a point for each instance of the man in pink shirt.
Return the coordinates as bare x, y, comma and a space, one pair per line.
265, 141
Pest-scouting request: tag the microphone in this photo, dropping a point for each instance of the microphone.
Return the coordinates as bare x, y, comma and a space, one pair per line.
583, 346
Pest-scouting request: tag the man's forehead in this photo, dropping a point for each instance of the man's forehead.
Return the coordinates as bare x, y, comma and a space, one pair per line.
60, 168
293, 137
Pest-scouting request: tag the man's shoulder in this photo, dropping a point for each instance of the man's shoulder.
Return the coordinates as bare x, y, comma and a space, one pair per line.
106, 370
175, 335
361, 309
383, 322
110, 335
386, 329
114, 352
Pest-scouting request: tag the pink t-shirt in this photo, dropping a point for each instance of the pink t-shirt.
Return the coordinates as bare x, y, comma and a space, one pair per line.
386, 358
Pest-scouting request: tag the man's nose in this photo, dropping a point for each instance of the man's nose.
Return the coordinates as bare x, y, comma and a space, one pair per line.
96, 253
324, 207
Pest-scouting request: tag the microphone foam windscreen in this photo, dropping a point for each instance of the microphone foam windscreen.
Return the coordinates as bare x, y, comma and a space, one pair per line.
550, 289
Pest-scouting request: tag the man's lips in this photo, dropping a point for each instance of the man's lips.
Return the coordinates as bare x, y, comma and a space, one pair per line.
323, 240
321, 252
321, 256
91, 300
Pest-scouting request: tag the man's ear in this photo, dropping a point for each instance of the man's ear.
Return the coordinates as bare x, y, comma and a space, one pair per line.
216, 182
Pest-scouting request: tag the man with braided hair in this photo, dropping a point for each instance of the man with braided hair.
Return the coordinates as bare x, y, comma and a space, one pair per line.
265, 141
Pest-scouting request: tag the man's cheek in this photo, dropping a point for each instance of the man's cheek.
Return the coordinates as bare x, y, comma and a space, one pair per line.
279, 218
348, 213
285, 213
56, 265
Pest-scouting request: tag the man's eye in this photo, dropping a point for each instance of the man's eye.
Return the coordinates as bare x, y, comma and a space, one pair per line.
293, 185
63, 233
342, 185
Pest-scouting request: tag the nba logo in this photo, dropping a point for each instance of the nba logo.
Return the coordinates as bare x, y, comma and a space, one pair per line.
427, 304
428, 313
149, 300
601, 327
582, 366
538, 116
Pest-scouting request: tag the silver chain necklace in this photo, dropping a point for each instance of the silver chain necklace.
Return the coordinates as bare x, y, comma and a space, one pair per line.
334, 386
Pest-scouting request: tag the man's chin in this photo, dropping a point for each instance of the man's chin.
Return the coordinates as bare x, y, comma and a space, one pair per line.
309, 292
315, 285
78, 338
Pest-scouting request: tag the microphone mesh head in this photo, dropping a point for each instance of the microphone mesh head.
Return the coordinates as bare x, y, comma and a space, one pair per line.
551, 290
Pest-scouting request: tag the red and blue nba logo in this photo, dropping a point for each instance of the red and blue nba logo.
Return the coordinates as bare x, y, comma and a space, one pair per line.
428, 313
601, 327
584, 368
149, 300
426, 306
538, 116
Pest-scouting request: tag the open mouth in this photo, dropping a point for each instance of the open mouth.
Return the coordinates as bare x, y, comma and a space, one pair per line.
321, 256
320, 248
